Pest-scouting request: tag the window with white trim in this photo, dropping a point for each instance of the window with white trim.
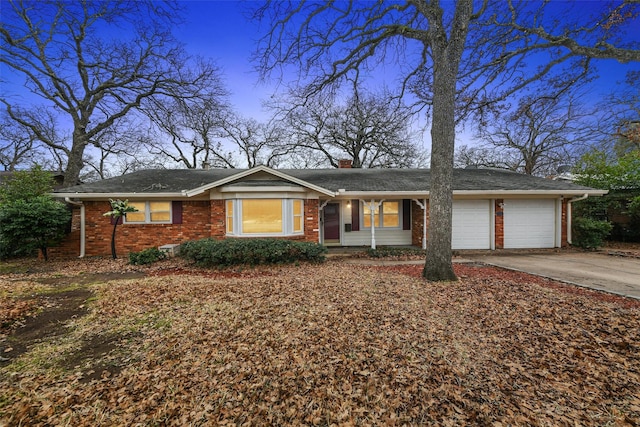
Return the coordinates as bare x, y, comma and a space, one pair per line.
298, 214
149, 213
264, 217
386, 215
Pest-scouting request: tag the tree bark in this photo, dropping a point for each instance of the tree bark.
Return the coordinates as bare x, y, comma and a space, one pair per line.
113, 238
447, 54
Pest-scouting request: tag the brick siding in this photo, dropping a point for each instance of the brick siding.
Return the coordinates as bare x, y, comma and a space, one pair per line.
416, 223
200, 219
499, 219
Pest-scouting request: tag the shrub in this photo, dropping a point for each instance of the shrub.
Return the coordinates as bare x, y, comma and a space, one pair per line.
28, 225
147, 256
394, 252
590, 233
224, 253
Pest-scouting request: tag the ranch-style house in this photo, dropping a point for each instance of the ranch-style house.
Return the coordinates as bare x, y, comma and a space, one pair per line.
492, 209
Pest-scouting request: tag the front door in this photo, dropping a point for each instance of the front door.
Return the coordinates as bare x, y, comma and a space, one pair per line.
331, 223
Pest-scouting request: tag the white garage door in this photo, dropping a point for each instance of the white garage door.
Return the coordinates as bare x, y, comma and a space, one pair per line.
471, 224
529, 223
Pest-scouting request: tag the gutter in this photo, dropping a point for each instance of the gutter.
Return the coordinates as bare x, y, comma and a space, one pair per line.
570, 214
82, 224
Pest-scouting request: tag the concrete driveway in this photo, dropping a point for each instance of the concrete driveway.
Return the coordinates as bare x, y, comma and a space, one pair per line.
618, 275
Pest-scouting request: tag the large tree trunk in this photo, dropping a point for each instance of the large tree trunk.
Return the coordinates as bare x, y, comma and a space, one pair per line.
447, 54
438, 265
75, 161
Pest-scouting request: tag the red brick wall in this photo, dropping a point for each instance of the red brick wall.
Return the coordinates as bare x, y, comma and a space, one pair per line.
416, 223
217, 219
70, 246
200, 219
499, 217
311, 221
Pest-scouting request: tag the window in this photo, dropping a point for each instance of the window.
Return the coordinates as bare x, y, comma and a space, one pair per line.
150, 212
275, 217
262, 216
297, 216
229, 216
366, 212
387, 215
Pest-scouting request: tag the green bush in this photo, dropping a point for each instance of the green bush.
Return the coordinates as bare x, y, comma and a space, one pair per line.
590, 233
394, 252
147, 256
34, 224
224, 253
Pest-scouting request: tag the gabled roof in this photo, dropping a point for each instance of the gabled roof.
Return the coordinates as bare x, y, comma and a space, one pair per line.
330, 182
249, 172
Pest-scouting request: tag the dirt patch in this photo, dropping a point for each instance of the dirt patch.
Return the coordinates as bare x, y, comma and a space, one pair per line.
86, 279
41, 317
49, 321
97, 358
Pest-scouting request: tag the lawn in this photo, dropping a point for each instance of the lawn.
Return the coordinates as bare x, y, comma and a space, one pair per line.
331, 344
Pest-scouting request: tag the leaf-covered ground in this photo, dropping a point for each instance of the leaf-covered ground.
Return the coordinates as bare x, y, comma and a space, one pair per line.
332, 344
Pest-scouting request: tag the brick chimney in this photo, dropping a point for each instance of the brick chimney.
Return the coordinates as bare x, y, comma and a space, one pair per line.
344, 164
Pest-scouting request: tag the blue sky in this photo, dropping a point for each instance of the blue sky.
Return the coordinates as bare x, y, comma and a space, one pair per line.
218, 30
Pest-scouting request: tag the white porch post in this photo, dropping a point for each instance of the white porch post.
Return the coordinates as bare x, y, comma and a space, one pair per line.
372, 209
373, 225
423, 206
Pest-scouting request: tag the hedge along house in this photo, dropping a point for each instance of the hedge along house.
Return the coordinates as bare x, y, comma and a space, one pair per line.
492, 209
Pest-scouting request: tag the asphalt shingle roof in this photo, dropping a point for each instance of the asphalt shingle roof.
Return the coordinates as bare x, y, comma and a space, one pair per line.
354, 180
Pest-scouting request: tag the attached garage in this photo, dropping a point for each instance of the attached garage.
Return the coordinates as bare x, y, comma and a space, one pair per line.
492, 208
529, 223
471, 224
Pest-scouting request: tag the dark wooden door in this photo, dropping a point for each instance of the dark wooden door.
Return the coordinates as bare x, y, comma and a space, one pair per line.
332, 222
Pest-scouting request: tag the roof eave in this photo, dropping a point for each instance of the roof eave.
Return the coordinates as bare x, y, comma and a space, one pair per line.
249, 172
422, 194
554, 192
119, 195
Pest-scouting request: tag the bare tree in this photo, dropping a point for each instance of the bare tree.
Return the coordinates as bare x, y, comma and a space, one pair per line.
372, 130
21, 146
485, 157
118, 150
91, 78
256, 142
190, 129
624, 117
543, 132
17, 145
472, 53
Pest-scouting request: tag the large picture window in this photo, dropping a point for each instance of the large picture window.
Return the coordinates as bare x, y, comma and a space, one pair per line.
150, 212
274, 217
387, 215
262, 216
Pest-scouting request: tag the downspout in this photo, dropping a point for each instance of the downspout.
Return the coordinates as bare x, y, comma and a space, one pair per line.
82, 224
569, 214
